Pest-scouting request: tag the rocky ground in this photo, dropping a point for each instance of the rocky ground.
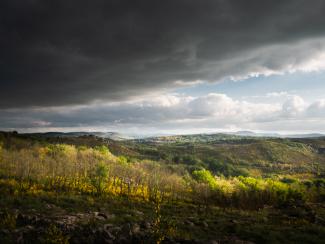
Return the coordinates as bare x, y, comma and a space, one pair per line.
92, 227
82, 219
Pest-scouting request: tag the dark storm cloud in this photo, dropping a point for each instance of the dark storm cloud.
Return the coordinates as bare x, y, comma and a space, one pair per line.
72, 52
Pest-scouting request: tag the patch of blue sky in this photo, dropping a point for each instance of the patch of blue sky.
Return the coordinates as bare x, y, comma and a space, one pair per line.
310, 86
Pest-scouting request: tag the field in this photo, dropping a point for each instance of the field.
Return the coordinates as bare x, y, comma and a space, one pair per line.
178, 189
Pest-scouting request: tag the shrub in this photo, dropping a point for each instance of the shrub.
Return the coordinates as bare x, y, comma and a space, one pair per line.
99, 177
54, 235
205, 176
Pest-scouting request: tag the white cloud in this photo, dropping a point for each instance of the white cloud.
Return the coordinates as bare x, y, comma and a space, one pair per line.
175, 112
212, 105
293, 106
277, 94
317, 109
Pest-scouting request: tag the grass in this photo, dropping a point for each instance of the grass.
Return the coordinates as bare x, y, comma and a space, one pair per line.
188, 222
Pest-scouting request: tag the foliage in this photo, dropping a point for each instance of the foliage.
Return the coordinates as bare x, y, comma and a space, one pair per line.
99, 177
7, 220
34, 169
67, 168
205, 176
54, 235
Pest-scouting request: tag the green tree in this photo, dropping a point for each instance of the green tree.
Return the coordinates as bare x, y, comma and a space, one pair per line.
205, 176
100, 177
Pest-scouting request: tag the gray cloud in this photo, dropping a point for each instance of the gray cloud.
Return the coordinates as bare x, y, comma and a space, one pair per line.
74, 52
173, 112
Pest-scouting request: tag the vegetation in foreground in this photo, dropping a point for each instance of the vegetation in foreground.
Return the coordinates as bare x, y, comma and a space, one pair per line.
63, 192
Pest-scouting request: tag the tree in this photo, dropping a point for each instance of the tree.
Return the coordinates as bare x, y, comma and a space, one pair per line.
205, 176
100, 177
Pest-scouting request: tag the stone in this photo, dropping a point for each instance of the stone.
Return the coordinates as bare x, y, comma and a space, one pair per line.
102, 215
137, 212
187, 222
4, 231
135, 229
234, 221
147, 225
205, 224
108, 235
213, 242
80, 215
49, 206
115, 229
108, 226
111, 216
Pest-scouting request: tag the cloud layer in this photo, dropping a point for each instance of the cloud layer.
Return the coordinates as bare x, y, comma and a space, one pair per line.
58, 53
167, 112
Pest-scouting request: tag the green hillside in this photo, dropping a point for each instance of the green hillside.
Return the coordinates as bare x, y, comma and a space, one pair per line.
184, 189
263, 156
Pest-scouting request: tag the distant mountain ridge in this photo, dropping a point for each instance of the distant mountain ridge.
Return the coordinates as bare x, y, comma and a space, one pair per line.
201, 136
230, 136
254, 134
109, 135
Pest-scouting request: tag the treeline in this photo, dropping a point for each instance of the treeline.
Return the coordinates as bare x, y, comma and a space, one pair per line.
34, 168
260, 157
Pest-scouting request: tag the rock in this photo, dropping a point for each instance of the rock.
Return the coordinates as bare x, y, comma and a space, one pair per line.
213, 242
137, 212
234, 221
205, 224
20, 238
126, 229
35, 219
146, 225
102, 215
67, 220
111, 216
187, 222
71, 228
4, 231
50, 206
28, 228
319, 220
108, 235
115, 229
80, 215
100, 218
108, 226
135, 229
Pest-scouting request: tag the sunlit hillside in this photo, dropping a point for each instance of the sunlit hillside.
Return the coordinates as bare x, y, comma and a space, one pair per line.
166, 190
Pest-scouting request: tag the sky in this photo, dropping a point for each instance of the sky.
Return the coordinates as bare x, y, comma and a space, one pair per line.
148, 67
